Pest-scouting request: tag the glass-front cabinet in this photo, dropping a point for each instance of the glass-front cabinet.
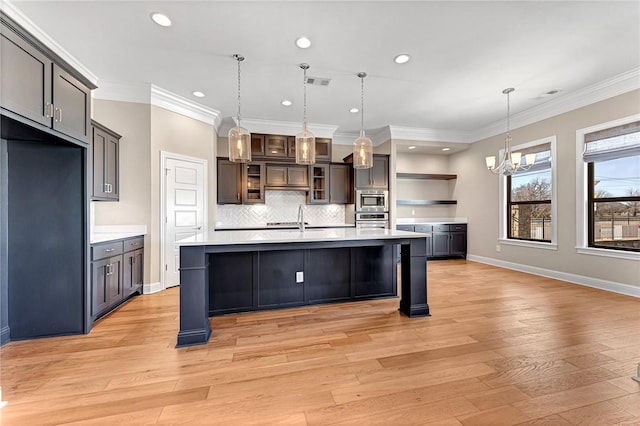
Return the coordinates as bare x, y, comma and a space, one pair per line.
319, 178
254, 183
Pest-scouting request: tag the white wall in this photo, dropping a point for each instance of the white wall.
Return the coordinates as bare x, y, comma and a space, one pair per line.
477, 194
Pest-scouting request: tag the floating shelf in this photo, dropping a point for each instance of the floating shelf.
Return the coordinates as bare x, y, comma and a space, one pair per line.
430, 176
424, 202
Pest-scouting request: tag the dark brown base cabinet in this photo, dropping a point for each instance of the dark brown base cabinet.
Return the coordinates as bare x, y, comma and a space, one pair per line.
117, 269
443, 241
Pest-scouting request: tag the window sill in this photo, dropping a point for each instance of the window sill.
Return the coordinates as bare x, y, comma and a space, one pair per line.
618, 254
532, 244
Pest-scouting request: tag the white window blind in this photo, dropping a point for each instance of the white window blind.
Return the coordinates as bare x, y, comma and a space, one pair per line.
609, 144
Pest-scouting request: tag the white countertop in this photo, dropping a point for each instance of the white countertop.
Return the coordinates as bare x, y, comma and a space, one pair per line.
289, 236
104, 233
101, 237
265, 227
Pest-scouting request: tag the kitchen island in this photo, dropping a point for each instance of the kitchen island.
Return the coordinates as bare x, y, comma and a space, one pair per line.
239, 271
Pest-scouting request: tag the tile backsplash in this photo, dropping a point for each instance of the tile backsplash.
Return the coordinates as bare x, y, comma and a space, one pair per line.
279, 206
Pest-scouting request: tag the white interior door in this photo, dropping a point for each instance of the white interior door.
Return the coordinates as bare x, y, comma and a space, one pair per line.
185, 209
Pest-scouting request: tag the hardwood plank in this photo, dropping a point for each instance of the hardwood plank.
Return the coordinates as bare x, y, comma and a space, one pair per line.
502, 347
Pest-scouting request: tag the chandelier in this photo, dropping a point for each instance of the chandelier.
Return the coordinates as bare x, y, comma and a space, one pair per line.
239, 138
510, 162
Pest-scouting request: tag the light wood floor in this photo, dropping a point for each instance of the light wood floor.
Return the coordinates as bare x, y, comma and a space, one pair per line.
500, 348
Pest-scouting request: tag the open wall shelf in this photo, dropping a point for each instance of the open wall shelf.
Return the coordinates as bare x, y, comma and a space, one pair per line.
424, 202
429, 176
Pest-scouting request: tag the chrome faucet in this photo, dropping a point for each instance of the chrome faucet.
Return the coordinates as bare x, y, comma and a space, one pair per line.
301, 218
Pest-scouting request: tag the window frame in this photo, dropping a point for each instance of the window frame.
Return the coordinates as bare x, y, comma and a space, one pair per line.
505, 182
583, 213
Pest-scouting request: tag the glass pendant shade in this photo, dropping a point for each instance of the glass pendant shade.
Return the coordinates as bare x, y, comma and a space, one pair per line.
305, 140
305, 146
239, 138
239, 145
362, 152
362, 146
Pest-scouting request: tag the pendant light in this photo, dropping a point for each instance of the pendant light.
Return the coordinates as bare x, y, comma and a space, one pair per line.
510, 162
239, 138
362, 146
305, 140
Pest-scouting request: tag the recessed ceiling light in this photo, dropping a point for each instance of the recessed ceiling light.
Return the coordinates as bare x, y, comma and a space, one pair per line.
303, 42
286, 102
411, 147
161, 19
198, 94
354, 110
446, 149
402, 58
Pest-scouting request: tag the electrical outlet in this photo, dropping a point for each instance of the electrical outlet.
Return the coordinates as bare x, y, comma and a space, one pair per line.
498, 248
300, 277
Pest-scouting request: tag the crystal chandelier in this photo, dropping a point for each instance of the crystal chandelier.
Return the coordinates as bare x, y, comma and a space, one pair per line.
510, 162
239, 138
305, 140
362, 146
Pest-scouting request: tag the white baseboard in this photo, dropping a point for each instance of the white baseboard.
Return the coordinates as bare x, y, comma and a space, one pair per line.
611, 286
152, 288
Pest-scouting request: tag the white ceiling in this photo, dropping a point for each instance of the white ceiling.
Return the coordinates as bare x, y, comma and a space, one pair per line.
463, 54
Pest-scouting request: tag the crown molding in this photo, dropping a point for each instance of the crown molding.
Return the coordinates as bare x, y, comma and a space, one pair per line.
617, 85
146, 93
256, 125
123, 92
377, 136
435, 135
16, 14
170, 101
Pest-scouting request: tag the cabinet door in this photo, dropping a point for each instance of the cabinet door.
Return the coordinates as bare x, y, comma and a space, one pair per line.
253, 184
111, 164
99, 145
275, 146
339, 184
229, 182
71, 101
409, 228
440, 243
138, 270
128, 273
276, 175
25, 79
380, 172
99, 286
319, 192
257, 144
363, 178
323, 149
114, 280
458, 243
298, 176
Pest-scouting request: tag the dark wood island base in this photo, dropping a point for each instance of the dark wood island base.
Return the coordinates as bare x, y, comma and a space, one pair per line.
220, 278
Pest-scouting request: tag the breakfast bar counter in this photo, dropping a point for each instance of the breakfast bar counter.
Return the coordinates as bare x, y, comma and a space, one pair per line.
238, 271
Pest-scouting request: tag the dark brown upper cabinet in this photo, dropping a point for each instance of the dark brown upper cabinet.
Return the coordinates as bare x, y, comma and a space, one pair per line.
340, 189
36, 86
283, 175
229, 182
105, 152
257, 145
253, 183
275, 146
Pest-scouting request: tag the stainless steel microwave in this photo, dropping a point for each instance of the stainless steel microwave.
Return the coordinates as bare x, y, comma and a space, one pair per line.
372, 200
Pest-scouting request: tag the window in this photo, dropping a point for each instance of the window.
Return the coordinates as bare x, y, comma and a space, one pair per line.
529, 198
612, 157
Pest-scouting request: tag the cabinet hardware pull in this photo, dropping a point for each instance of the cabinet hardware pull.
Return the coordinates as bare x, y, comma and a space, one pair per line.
134, 244
49, 112
238, 196
106, 188
109, 250
60, 115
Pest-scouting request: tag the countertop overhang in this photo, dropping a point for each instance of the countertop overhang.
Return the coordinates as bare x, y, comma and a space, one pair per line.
279, 236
